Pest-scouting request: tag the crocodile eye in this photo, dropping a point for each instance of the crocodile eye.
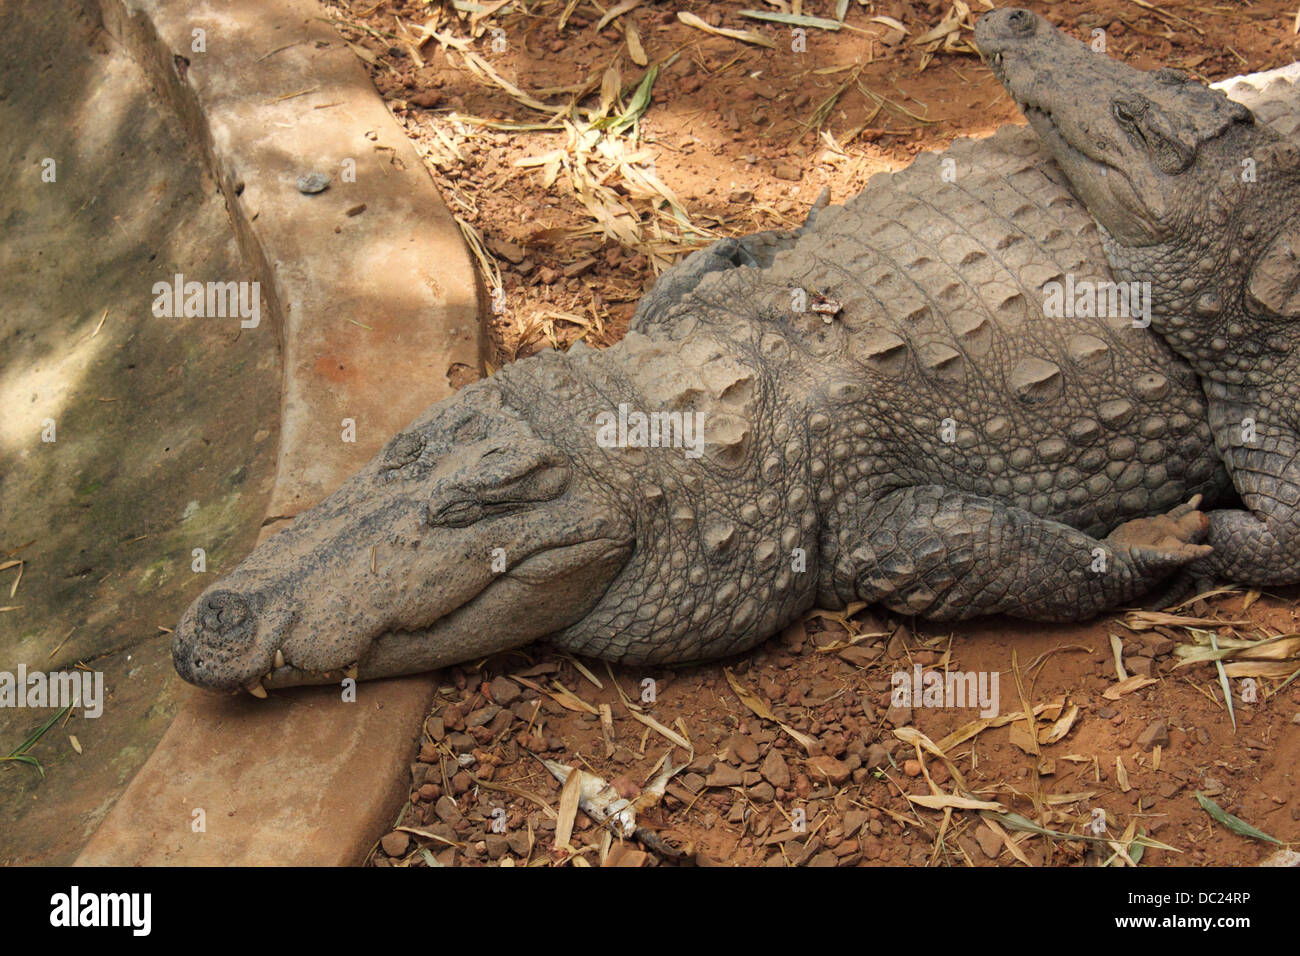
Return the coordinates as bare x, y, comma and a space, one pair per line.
1124, 114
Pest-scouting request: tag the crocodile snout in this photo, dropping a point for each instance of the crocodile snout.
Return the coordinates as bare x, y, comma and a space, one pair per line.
998, 30
214, 639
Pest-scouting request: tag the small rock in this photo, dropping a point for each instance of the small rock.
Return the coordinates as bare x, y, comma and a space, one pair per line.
825, 858
701, 764
1141, 666
827, 768
723, 775
482, 716
1156, 734
990, 843
510, 251
803, 786
787, 171
426, 99
579, 268
448, 812
311, 183
859, 655
741, 196
853, 822
876, 756
518, 842
504, 691
460, 742
762, 792
745, 750
912, 768
775, 770
396, 843
497, 845
1106, 713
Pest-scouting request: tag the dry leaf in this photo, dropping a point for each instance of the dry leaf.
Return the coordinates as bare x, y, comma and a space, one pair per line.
568, 811
1117, 648
744, 36
1058, 730
1020, 737
1136, 682
945, 800
659, 728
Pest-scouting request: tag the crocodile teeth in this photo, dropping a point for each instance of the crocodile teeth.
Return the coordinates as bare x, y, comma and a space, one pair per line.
350, 671
255, 688
279, 658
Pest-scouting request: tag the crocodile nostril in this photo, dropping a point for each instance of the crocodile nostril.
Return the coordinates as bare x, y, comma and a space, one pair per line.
1021, 21
226, 615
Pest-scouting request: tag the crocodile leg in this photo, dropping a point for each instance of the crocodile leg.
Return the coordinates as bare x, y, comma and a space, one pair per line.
949, 555
1261, 545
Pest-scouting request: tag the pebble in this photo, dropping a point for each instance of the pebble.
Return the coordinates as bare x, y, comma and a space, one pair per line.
497, 845
859, 655
504, 691
448, 812
876, 756
482, 716
311, 183
744, 749
775, 770
854, 821
787, 171
723, 775
762, 792
827, 768
1156, 734
1141, 666
396, 843
989, 842
511, 252
803, 786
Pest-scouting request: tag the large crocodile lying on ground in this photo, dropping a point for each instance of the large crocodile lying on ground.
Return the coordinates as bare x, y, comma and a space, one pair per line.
1201, 201
887, 415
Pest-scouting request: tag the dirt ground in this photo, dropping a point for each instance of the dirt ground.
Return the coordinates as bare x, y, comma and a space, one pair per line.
576, 189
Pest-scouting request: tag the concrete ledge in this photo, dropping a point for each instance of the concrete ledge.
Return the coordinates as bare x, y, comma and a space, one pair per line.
373, 299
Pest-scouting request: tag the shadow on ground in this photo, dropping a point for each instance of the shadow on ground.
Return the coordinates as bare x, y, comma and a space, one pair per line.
165, 428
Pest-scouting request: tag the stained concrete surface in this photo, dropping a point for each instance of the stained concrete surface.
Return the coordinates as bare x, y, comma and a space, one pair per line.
166, 428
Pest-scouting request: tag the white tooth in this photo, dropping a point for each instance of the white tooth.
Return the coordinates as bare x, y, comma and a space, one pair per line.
255, 688
279, 657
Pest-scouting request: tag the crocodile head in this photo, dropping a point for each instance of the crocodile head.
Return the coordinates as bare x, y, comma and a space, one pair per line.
543, 501
1194, 197
467, 534
1139, 148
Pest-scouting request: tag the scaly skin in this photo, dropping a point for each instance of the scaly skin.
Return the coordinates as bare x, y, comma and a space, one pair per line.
930, 441
1199, 199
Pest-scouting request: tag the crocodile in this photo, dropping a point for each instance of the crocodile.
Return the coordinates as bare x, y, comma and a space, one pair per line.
879, 406
1199, 199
